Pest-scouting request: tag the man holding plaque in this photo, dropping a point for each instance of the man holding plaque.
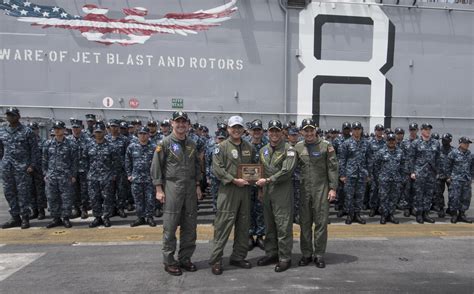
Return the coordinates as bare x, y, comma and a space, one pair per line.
176, 174
319, 178
233, 201
278, 159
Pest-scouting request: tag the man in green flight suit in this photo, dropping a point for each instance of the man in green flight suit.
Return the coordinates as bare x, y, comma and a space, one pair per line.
233, 200
278, 159
319, 178
175, 171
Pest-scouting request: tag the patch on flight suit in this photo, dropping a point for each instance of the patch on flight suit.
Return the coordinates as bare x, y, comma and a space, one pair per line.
245, 153
330, 149
235, 153
158, 149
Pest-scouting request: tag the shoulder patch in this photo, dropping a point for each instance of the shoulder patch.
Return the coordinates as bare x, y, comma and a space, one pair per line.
158, 149
290, 153
217, 150
330, 148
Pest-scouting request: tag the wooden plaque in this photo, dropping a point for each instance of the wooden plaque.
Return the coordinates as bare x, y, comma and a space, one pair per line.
250, 172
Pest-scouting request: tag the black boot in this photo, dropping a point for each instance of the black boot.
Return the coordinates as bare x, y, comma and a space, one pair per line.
454, 216
56, 222
67, 224
151, 222
406, 212
121, 213
130, 207
341, 213
15, 221
392, 219
107, 222
441, 213
41, 214
75, 213
358, 219
84, 214
349, 219
419, 217
138, 222
96, 222
25, 221
427, 218
383, 220
158, 212
260, 243
34, 213
462, 218
251, 243
372, 212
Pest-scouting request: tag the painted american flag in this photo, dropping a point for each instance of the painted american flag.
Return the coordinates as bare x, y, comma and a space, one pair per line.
96, 26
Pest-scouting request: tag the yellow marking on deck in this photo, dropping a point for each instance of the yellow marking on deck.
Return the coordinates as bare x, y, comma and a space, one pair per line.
206, 232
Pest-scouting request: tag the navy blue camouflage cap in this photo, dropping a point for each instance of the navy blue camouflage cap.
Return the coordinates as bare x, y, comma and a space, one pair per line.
221, 126
435, 136
426, 126
33, 125
379, 127
165, 122
274, 124
447, 136
136, 122
180, 114
205, 129
59, 125
152, 123
346, 125
143, 130
124, 125
12, 110
399, 131
293, 131
464, 140
391, 136
90, 117
256, 124
356, 125
413, 126
75, 123
286, 126
292, 123
114, 122
308, 123
99, 127
221, 134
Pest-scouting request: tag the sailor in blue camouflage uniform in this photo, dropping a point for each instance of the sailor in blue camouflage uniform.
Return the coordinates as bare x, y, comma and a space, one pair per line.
120, 144
38, 194
408, 191
155, 136
60, 162
460, 167
424, 169
137, 165
19, 151
376, 144
441, 181
346, 134
103, 163
211, 178
390, 166
354, 172
81, 200
257, 223
91, 120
